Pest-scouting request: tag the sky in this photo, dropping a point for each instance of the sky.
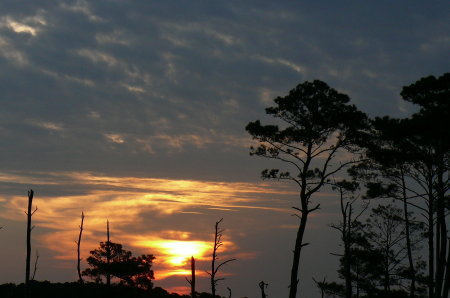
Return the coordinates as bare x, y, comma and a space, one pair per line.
135, 112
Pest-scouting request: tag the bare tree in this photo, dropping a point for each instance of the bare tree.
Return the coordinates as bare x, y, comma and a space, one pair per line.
192, 280
262, 286
29, 214
108, 255
349, 221
214, 269
80, 279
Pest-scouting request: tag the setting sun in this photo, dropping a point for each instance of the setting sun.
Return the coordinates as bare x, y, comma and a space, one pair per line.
178, 252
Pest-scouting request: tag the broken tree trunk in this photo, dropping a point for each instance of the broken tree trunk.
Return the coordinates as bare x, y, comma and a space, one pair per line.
192, 280
29, 214
80, 279
108, 255
262, 286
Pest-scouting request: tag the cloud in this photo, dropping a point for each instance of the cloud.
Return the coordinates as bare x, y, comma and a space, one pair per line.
126, 202
164, 89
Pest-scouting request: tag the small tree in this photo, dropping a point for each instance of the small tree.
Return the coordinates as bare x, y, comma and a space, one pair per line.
111, 259
346, 227
386, 232
215, 268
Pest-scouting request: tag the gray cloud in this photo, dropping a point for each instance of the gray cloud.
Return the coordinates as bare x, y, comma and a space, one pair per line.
165, 88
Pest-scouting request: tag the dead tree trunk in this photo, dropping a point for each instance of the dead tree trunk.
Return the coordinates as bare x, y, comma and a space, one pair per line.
192, 280
214, 269
80, 279
108, 255
29, 214
412, 270
262, 286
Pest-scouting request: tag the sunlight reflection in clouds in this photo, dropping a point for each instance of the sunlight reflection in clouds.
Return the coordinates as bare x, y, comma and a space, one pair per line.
141, 211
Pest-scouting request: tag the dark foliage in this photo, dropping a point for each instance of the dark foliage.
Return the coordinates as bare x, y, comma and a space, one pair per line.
316, 124
132, 271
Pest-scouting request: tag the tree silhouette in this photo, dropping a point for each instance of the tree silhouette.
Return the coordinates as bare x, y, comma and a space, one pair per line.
346, 227
29, 214
430, 137
386, 232
80, 278
218, 232
108, 255
263, 286
412, 158
378, 266
192, 280
317, 124
111, 259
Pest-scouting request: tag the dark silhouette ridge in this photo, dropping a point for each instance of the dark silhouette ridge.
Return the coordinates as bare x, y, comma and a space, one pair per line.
46, 289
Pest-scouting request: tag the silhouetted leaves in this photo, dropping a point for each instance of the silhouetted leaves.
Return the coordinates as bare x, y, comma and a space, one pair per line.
133, 271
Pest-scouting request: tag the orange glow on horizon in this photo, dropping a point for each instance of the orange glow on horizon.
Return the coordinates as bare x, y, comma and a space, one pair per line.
164, 217
176, 252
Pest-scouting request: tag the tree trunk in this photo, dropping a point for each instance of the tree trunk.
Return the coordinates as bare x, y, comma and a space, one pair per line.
447, 274
213, 262
80, 279
441, 233
430, 238
297, 251
347, 255
29, 214
262, 285
108, 255
29, 228
408, 239
193, 294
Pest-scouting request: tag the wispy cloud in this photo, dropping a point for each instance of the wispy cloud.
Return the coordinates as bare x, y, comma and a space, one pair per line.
126, 202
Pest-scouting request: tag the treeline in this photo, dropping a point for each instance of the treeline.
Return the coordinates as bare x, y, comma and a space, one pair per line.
403, 163
46, 289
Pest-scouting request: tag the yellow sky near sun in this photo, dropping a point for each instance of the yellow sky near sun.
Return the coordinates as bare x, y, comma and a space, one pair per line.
127, 202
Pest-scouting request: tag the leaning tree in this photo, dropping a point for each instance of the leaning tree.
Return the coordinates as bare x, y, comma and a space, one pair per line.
315, 125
